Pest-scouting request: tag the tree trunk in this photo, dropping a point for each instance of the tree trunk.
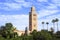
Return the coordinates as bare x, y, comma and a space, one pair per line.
57, 27
43, 26
54, 26
47, 26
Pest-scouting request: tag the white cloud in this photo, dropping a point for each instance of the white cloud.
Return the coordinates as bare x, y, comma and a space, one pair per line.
51, 6
20, 21
19, 1
10, 6
27, 4
42, 0
57, 2
24, 3
46, 12
15, 6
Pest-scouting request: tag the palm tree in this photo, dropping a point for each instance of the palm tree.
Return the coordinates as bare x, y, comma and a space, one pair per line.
56, 20
47, 25
43, 25
53, 21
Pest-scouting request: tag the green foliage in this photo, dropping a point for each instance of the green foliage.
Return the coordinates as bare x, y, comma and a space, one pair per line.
6, 33
46, 35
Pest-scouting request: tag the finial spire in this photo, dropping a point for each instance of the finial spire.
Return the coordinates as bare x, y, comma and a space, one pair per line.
32, 8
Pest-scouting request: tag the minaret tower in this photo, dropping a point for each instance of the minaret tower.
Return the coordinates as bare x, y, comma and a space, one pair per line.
32, 19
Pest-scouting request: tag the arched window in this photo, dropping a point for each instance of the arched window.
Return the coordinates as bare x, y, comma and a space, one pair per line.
34, 14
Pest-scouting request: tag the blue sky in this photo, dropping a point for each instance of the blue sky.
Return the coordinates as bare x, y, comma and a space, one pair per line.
17, 12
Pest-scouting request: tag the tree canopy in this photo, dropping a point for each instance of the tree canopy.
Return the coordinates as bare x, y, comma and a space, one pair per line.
6, 33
